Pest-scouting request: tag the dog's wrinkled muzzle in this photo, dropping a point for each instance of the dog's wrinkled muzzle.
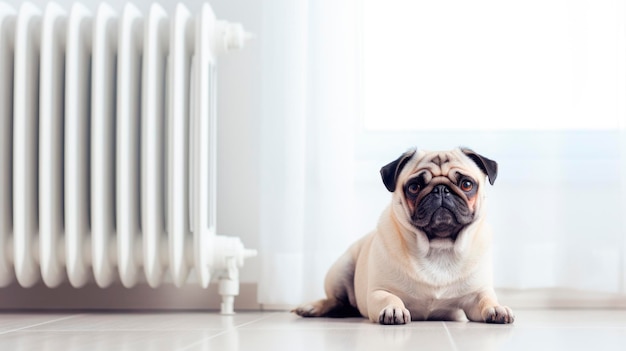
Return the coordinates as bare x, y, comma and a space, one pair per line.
442, 213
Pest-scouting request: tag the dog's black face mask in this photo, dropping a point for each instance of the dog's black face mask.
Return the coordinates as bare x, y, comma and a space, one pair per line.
442, 208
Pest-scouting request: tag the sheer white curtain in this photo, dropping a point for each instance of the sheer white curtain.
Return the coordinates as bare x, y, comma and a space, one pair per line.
539, 86
307, 163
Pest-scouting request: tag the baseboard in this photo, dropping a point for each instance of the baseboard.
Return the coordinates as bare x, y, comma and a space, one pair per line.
117, 297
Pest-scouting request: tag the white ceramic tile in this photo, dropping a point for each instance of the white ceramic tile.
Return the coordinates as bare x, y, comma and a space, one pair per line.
13, 321
285, 331
100, 340
380, 338
546, 330
151, 321
570, 339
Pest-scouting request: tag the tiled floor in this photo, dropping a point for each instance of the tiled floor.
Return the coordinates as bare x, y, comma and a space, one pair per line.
533, 330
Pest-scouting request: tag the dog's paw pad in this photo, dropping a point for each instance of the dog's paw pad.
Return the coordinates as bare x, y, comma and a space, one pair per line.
394, 315
499, 315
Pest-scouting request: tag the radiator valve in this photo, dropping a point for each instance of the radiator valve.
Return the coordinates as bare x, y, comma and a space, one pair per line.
234, 36
230, 257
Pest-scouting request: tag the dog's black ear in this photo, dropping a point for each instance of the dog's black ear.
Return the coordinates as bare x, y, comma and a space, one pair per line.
489, 167
390, 172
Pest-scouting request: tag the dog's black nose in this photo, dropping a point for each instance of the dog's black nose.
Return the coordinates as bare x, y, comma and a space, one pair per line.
441, 189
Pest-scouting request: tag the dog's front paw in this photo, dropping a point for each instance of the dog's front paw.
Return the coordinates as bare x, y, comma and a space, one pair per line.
498, 314
309, 310
394, 315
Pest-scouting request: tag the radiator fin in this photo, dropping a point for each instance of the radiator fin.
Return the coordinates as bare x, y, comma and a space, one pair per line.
178, 136
51, 120
25, 144
103, 102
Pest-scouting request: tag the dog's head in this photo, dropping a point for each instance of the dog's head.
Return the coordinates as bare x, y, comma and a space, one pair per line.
439, 193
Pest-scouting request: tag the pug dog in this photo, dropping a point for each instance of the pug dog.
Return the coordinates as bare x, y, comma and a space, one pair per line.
429, 257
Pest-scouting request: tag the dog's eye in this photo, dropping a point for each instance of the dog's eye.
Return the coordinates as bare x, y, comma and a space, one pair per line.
467, 185
413, 188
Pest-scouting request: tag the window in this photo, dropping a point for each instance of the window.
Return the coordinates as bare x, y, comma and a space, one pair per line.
493, 65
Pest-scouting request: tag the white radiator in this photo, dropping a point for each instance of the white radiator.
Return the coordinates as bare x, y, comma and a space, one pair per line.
108, 147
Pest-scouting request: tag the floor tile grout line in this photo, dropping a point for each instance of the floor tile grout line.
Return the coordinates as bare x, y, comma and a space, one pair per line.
39, 324
445, 327
226, 331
